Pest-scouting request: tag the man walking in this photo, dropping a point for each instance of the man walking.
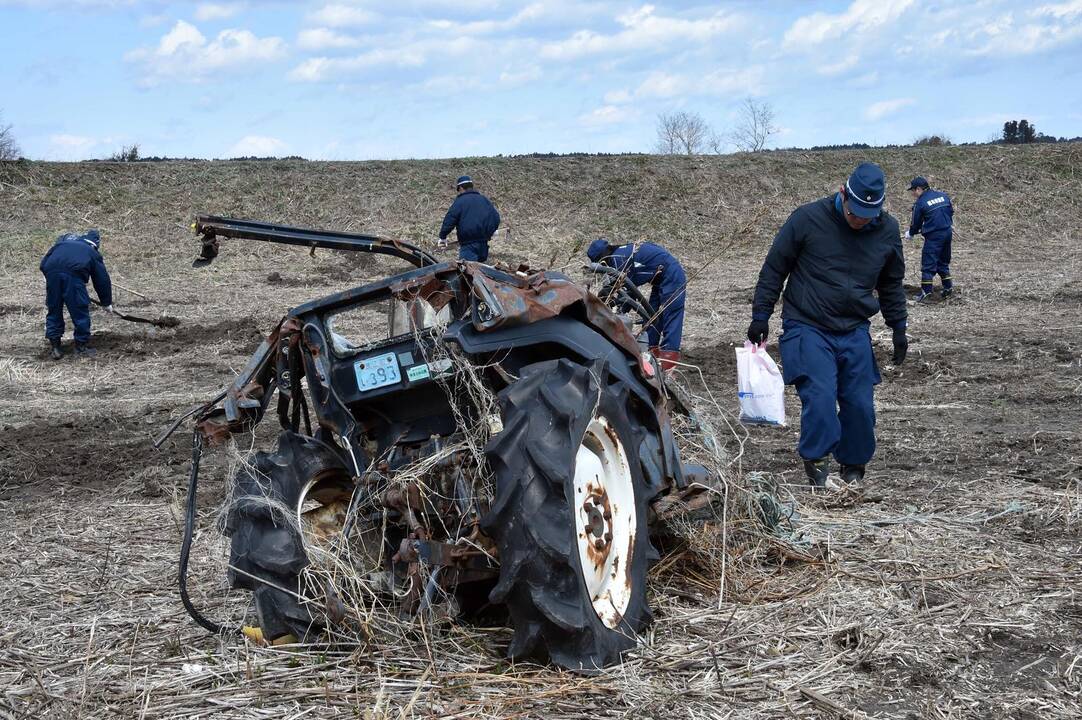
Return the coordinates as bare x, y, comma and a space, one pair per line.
474, 217
70, 263
933, 217
833, 257
650, 263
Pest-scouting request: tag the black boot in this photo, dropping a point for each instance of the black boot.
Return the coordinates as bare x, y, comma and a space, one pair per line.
84, 350
852, 475
56, 351
817, 472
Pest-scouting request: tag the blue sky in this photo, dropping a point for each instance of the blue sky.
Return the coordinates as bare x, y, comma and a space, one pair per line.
416, 78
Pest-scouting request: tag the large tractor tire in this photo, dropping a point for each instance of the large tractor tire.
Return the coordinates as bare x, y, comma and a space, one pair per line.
267, 552
570, 516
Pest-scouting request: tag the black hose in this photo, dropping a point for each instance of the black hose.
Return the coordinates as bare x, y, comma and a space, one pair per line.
186, 545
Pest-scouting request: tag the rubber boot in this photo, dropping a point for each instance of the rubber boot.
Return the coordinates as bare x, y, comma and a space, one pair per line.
852, 475
668, 358
817, 472
84, 350
56, 351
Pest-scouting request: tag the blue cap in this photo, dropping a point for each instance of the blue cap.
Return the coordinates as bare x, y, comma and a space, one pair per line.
918, 182
598, 249
463, 180
866, 189
93, 237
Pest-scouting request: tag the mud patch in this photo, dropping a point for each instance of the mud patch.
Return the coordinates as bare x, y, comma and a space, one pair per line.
244, 334
85, 452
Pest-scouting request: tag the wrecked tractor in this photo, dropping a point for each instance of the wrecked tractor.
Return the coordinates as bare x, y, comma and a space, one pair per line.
454, 437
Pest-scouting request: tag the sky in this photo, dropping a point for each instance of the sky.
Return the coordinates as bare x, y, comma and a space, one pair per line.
358, 79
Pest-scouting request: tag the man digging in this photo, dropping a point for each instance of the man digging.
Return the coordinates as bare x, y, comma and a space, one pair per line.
833, 255
70, 263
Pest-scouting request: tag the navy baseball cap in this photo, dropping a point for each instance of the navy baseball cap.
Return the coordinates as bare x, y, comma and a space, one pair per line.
93, 237
598, 249
463, 180
918, 182
866, 189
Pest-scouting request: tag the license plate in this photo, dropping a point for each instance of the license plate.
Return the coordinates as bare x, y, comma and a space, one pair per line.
376, 372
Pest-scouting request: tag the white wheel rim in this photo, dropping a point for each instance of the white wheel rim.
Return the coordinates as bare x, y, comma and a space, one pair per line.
318, 521
605, 520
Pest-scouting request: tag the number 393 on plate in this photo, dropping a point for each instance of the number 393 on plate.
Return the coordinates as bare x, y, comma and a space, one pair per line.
376, 372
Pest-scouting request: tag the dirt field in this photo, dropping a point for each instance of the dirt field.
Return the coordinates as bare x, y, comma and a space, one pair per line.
950, 590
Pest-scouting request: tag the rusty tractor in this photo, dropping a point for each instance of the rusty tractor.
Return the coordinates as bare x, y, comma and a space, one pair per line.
471, 435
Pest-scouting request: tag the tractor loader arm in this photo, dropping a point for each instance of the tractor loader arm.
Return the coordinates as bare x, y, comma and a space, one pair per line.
213, 227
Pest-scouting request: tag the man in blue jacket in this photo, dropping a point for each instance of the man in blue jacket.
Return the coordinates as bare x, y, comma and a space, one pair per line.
834, 256
69, 264
474, 217
933, 217
650, 263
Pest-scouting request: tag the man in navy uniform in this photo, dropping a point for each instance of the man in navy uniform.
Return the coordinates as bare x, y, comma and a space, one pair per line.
70, 263
933, 217
650, 263
840, 261
474, 217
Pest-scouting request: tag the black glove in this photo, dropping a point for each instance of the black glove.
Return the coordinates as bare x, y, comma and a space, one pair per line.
758, 330
901, 345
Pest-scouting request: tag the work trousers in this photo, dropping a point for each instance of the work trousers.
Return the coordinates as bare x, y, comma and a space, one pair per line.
668, 296
835, 375
62, 289
935, 259
476, 250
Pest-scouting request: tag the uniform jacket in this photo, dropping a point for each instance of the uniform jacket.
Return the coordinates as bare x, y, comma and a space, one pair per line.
74, 255
475, 217
835, 278
647, 263
933, 214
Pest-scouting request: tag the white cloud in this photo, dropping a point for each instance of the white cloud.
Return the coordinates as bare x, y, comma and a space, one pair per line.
722, 82
883, 108
486, 27
258, 146
216, 11
66, 146
866, 80
322, 69
605, 115
1065, 10
642, 31
859, 17
513, 78
1004, 36
615, 97
72, 144
411, 55
847, 63
185, 54
324, 39
339, 15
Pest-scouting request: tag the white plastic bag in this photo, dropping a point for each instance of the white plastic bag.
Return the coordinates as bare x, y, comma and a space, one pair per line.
759, 386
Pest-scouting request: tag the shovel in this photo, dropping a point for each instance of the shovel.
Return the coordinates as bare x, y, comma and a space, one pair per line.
163, 322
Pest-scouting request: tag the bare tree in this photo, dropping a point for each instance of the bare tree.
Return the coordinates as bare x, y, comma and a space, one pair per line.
682, 133
755, 126
128, 153
9, 149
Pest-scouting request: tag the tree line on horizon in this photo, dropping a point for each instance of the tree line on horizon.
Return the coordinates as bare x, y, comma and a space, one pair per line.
678, 133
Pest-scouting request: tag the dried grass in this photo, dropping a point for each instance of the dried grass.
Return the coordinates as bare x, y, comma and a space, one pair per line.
954, 594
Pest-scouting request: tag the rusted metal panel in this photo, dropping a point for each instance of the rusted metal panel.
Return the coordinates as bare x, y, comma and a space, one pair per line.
541, 295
